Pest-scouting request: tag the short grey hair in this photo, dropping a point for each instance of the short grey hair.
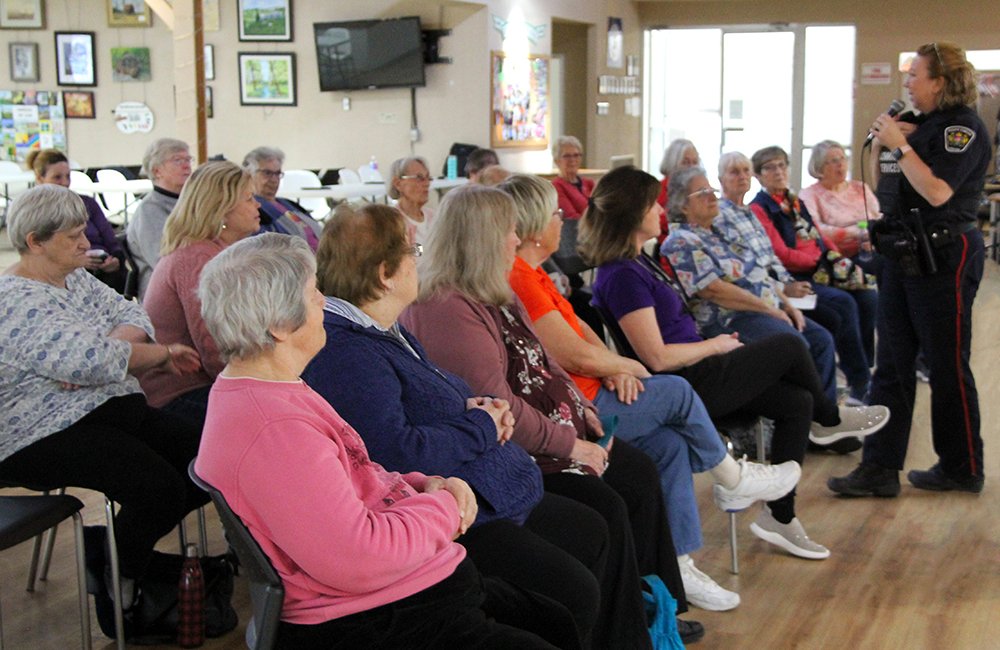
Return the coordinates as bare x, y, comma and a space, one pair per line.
673, 155
398, 169
252, 161
677, 191
731, 158
818, 157
536, 200
253, 287
44, 210
159, 151
565, 141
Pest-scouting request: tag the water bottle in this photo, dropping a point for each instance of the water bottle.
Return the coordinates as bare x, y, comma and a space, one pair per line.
191, 601
452, 167
864, 253
373, 164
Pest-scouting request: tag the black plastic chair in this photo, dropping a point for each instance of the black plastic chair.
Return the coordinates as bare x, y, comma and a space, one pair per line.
267, 594
132, 278
24, 517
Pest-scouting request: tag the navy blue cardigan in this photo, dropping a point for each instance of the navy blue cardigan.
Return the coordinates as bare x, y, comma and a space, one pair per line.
413, 417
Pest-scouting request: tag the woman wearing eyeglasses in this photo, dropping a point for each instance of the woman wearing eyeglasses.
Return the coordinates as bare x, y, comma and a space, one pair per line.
410, 185
939, 171
573, 189
276, 214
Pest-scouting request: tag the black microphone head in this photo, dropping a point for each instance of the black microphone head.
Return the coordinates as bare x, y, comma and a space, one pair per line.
895, 107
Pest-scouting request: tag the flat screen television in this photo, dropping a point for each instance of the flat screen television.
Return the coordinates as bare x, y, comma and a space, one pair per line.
365, 54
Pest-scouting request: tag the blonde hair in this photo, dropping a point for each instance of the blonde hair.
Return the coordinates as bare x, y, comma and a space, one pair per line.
465, 249
536, 200
208, 195
947, 61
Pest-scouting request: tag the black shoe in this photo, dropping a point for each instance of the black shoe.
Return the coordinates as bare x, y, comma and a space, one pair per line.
935, 479
866, 480
690, 631
842, 446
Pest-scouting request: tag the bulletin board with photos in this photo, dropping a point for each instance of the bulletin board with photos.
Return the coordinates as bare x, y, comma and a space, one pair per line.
30, 120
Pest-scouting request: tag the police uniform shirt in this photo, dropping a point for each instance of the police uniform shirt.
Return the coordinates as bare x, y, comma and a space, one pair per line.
887, 188
955, 144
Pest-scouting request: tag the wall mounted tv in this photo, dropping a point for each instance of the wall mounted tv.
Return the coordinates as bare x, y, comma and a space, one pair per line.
366, 54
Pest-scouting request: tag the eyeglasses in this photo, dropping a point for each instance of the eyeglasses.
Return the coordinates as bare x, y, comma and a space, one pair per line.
571, 156
267, 173
774, 167
558, 214
416, 250
420, 178
836, 161
704, 193
181, 160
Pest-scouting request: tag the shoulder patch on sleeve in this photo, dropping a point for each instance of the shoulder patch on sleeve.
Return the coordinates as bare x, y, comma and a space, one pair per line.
958, 138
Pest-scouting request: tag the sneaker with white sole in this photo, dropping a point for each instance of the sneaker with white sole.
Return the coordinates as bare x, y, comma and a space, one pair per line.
757, 483
791, 536
855, 422
702, 591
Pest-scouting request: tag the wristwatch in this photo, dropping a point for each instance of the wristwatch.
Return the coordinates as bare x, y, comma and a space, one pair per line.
899, 152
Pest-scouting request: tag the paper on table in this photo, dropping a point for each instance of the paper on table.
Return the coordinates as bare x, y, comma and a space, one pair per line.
804, 303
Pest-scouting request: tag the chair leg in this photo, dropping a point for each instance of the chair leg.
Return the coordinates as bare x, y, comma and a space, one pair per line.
50, 543
182, 534
33, 567
81, 582
116, 577
761, 451
202, 532
732, 544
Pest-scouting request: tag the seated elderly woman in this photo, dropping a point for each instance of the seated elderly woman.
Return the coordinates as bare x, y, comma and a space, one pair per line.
835, 203
679, 154
277, 214
573, 189
366, 556
472, 324
773, 377
848, 314
409, 183
415, 416
659, 414
106, 257
217, 208
167, 163
73, 414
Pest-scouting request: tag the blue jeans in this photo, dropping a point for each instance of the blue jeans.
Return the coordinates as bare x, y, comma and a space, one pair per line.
669, 423
850, 317
754, 326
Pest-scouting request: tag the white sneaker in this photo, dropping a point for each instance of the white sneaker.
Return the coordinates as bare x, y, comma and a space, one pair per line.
855, 422
702, 591
757, 483
791, 537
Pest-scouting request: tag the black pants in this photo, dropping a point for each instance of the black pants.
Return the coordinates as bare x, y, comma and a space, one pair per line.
558, 553
775, 378
134, 454
931, 313
447, 615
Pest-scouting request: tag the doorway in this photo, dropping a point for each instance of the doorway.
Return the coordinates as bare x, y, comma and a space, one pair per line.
569, 81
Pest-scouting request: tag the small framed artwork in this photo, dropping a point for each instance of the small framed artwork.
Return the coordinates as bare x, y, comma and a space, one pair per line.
267, 79
79, 104
24, 62
265, 20
209, 63
129, 13
130, 64
22, 14
75, 59
209, 103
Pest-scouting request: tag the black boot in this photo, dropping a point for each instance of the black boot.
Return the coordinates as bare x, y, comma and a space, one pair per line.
866, 480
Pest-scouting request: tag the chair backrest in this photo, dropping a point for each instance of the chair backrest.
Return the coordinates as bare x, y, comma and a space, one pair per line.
78, 181
349, 177
369, 175
297, 179
615, 333
9, 167
267, 594
131, 291
117, 203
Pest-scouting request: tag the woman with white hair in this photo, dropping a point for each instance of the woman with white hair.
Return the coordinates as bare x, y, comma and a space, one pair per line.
835, 203
73, 413
167, 163
573, 189
277, 214
410, 185
367, 557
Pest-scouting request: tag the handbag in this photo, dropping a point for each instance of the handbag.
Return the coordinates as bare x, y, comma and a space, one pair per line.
661, 613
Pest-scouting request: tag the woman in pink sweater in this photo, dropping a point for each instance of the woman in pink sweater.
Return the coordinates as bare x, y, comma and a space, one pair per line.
367, 557
216, 208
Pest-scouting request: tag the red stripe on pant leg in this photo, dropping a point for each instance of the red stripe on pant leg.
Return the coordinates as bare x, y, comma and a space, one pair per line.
958, 354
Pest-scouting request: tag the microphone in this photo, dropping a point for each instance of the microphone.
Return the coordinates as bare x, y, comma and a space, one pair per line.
893, 111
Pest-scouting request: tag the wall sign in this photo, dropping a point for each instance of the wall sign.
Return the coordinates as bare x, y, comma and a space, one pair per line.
134, 117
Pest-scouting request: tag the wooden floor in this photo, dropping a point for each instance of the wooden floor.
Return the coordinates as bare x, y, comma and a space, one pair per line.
918, 572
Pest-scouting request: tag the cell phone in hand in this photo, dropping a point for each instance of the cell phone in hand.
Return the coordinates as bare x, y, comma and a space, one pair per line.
609, 424
98, 254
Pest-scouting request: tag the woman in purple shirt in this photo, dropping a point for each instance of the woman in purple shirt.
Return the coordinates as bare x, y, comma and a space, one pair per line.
774, 378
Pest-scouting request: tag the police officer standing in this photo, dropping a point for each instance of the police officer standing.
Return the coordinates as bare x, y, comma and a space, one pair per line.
934, 262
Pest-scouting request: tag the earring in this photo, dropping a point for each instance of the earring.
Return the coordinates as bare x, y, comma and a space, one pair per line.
538, 244
224, 226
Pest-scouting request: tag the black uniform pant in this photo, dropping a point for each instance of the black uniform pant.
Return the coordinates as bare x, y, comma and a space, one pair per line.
932, 313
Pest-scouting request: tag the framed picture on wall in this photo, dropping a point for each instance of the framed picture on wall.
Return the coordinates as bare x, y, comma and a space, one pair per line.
519, 92
22, 14
75, 59
23, 61
79, 104
267, 79
129, 13
209, 103
130, 64
209, 63
265, 20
